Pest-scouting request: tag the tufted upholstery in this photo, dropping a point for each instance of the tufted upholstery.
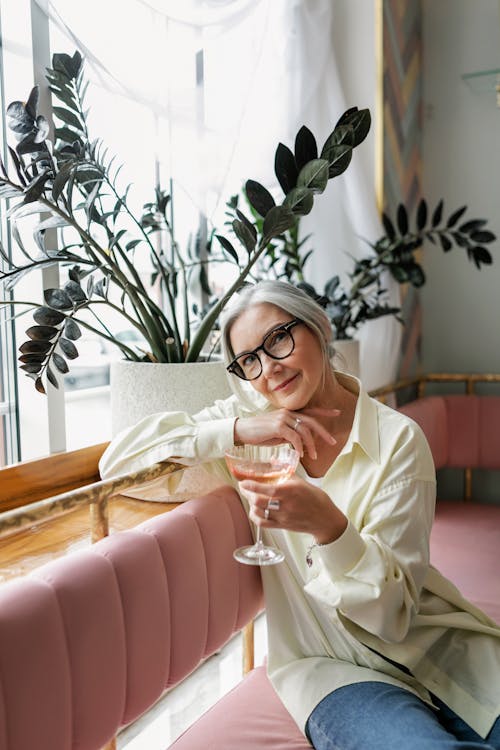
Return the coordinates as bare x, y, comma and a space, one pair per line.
462, 430
91, 640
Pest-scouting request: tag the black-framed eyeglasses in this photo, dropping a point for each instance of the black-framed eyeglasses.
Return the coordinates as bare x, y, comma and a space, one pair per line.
277, 344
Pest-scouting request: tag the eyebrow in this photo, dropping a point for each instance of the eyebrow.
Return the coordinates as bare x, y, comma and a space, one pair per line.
273, 328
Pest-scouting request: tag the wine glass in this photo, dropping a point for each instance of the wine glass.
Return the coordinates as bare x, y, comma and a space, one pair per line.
271, 464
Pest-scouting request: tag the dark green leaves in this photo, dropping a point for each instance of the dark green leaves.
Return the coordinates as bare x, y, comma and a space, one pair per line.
259, 197
402, 219
285, 168
437, 215
74, 292
278, 220
421, 215
21, 120
43, 333
305, 147
301, 174
32, 347
455, 216
245, 233
388, 226
32, 103
338, 150
314, 175
396, 248
300, 200
69, 66
228, 247
51, 340
48, 317
359, 121
57, 299
60, 363
69, 117
68, 348
72, 329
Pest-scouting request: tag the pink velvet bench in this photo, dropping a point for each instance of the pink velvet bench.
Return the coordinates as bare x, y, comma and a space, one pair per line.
464, 432
90, 641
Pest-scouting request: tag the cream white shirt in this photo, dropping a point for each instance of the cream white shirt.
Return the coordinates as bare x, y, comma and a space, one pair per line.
371, 593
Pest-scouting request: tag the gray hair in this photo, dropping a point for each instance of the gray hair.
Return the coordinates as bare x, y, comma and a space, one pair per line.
291, 300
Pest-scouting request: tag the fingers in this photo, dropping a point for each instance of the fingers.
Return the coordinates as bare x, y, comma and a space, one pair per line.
301, 429
264, 511
309, 429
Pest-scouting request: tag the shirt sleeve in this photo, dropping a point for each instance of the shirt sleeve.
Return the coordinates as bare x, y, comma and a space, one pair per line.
172, 435
374, 576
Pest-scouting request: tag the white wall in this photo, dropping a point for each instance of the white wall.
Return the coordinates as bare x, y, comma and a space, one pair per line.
461, 163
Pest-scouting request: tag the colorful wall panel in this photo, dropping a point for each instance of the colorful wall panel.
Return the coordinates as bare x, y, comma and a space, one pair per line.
400, 53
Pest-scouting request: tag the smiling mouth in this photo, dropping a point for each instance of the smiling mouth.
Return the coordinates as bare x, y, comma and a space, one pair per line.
285, 383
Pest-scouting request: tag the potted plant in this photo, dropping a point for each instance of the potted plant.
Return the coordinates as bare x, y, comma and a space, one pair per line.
364, 296
394, 253
72, 186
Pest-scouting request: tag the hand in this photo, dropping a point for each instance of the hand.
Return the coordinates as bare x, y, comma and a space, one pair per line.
299, 428
302, 507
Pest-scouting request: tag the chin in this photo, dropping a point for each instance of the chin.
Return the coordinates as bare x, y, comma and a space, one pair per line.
293, 402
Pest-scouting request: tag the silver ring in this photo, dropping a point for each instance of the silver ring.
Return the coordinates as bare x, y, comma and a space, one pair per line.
296, 425
273, 505
266, 514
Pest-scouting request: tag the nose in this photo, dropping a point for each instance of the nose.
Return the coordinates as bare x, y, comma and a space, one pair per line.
269, 365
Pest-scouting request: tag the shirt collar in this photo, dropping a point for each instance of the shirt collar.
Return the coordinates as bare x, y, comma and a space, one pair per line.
364, 430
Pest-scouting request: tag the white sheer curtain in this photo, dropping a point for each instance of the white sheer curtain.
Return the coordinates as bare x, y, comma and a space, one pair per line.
332, 68
268, 66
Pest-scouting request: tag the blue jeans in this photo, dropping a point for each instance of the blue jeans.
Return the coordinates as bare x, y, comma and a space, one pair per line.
379, 716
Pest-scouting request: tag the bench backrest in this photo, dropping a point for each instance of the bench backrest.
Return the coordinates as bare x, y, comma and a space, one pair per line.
463, 430
90, 641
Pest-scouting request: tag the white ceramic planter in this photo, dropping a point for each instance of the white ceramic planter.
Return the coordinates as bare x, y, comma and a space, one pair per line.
139, 389
142, 388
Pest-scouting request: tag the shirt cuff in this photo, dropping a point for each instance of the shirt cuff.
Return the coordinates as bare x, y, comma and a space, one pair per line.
215, 437
340, 556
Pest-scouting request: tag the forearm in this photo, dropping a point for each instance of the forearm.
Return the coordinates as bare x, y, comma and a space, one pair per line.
374, 576
175, 436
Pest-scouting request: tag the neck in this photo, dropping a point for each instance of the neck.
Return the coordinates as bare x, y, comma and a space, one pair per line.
329, 394
334, 395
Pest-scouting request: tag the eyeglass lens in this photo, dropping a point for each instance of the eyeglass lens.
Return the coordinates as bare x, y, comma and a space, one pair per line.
278, 344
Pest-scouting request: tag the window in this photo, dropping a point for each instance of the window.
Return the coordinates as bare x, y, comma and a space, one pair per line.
174, 101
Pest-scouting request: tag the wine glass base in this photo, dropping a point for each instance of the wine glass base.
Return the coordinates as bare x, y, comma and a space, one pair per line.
258, 555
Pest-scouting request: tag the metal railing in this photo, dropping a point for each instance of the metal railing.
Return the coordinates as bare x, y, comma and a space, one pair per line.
95, 495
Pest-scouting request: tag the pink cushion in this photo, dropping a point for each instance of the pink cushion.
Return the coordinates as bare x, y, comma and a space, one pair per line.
91, 617
489, 432
210, 594
474, 431
35, 673
463, 429
430, 414
251, 717
465, 546
142, 583
91, 640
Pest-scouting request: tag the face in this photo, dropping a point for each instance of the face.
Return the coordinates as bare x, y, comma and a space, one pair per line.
294, 382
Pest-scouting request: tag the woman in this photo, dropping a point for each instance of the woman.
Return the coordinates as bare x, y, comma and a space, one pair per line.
369, 646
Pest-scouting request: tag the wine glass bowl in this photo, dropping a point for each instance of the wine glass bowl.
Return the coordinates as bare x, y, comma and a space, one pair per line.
269, 464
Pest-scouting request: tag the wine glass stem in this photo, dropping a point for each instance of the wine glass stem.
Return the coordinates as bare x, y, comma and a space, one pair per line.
258, 534
258, 531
